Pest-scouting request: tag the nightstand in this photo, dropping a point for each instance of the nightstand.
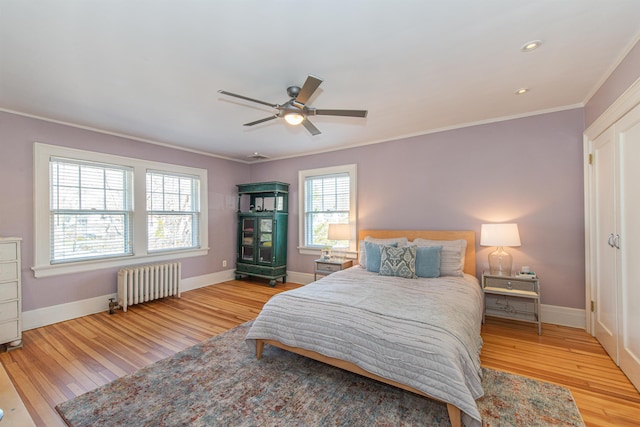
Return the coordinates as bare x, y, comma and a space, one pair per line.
512, 297
327, 266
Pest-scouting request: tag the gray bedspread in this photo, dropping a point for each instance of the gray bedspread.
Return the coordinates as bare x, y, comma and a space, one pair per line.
424, 333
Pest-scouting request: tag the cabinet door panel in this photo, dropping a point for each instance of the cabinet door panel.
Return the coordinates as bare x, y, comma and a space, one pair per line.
247, 253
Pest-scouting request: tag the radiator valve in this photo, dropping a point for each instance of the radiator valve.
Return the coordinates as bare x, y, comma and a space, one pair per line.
113, 305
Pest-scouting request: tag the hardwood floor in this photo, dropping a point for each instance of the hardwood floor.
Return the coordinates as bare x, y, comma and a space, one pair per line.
66, 359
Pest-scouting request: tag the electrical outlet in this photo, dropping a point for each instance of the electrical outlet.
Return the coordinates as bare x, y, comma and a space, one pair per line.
224, 262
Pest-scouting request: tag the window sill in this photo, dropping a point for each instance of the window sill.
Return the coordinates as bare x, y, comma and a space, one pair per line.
41, 271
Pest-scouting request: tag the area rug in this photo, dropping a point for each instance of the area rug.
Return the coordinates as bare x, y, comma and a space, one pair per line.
220, 383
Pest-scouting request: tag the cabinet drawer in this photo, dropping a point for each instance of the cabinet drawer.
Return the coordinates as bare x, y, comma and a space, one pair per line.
518, 285
8, 291
330, 268
8, 310
9, 332
8, 251
8, 271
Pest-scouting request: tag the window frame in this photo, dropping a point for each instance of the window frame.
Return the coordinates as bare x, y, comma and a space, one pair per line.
194, 212
42, 234
79, 211
351, 170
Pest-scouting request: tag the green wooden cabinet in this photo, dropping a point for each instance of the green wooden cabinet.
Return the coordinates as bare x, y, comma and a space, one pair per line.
263, 216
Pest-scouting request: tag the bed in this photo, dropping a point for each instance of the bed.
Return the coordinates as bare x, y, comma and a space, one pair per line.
421, 335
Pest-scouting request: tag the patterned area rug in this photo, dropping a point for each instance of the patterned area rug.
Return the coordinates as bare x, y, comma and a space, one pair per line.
220, 382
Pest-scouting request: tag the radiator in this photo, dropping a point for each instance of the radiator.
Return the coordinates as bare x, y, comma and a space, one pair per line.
143, 283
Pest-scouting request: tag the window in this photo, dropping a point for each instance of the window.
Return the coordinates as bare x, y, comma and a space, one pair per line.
94, 210
173, 211
328, 195
90, 210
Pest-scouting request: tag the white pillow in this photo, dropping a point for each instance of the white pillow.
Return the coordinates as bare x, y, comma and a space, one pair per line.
401, 241
451, 257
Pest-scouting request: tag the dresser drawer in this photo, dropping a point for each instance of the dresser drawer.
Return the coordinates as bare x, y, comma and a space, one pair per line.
8, 271
8, 290
8, 251
518, 285
9, 331
8, 310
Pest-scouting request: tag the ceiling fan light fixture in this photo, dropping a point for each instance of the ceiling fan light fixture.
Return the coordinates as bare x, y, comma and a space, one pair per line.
294, 118
295, 111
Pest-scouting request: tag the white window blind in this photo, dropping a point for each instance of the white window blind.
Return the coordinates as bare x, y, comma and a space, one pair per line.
327, 200
90, 210
173, 211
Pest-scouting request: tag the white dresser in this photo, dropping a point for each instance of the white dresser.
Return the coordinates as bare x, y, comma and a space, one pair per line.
10, 293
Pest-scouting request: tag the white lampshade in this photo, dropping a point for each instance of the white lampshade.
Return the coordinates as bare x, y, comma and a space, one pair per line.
499, 235
500, 262
339, 232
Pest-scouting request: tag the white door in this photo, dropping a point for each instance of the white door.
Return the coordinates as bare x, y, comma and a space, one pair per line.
604, 253
628, 137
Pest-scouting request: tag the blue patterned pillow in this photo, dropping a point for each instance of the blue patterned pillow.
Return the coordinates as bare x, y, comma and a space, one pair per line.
428, 261
400, 262
373, 251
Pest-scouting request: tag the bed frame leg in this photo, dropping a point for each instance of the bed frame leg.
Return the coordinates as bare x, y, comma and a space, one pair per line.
259, 348
455, 416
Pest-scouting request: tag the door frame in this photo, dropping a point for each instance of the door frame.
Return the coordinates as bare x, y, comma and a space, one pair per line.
627, 101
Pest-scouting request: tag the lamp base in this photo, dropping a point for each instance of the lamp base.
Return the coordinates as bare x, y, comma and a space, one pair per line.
500, 262
338, 254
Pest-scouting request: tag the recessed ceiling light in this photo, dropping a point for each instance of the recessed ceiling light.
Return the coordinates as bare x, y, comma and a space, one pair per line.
532, 45
522, 91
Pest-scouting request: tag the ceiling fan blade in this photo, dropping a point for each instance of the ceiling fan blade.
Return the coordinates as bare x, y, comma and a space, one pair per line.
308, 88
224, 92
310, 127
345, 113
261, 121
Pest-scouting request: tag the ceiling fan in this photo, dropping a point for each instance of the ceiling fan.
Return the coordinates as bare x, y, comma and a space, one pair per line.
295, 110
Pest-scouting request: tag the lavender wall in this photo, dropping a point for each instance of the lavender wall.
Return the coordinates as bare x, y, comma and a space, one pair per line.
623, 76
527, 171
16, 213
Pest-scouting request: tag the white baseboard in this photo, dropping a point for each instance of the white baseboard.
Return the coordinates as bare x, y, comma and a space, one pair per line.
32, 319
302, 278
192, 283
563, 316
59, 313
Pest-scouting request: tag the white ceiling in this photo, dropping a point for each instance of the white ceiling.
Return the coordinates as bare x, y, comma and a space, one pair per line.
151, 69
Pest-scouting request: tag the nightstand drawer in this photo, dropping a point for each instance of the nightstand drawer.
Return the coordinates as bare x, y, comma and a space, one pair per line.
326, 267
511, 284
329, 268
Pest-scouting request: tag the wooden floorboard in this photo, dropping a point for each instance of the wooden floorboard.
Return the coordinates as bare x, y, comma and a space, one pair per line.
64, 360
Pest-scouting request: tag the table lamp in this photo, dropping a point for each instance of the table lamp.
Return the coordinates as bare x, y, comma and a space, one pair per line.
500, 235
338, 232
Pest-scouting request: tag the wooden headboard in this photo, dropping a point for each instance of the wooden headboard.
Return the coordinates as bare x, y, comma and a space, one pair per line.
469, 236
